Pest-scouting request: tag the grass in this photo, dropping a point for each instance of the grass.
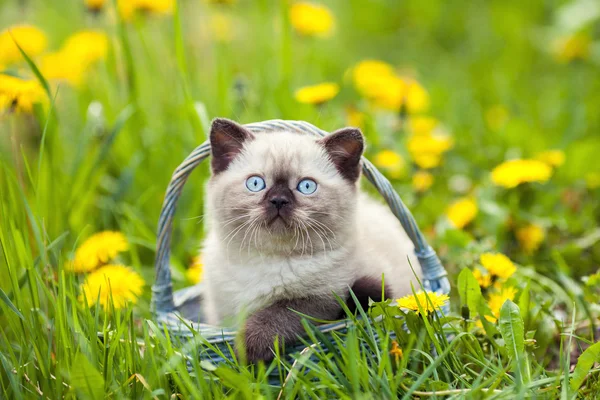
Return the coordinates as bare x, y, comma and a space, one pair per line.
99, 156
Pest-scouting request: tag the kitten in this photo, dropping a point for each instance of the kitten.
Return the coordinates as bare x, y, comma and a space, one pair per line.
288, 227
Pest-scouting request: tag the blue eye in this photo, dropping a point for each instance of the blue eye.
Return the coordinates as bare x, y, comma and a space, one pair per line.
255, 183
307, 186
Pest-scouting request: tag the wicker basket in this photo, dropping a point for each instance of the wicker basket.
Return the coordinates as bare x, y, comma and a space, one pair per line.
180, 311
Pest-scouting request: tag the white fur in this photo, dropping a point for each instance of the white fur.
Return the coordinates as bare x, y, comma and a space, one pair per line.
246, 268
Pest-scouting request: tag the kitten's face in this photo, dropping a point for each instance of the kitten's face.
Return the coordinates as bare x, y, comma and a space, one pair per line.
283, 191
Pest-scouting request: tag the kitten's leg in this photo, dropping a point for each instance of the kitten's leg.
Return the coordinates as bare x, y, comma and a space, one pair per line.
366, 288
278, 320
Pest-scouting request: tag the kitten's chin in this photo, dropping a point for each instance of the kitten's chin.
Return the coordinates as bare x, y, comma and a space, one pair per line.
278, 225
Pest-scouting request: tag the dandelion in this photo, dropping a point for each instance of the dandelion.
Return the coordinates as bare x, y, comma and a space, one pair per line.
99, 249
73, 60
574, 47
429, 302
311, 19
396, 351
19, 95
94, 5
391, 162
128, 8
422, 125
194, 272
496, 117
497, 264
317, 94
462, 211
368, 74
416, 98
115, 283
530, 237
421, 181
484, 280
512, 173
32, 40
426, 150
554, 158
496, 300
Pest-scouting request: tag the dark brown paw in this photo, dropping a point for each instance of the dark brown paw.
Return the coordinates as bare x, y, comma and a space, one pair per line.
367, 288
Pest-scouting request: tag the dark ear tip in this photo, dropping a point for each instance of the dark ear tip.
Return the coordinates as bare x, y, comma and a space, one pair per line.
220, 122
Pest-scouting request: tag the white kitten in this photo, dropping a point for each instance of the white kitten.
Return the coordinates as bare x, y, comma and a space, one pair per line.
287, 221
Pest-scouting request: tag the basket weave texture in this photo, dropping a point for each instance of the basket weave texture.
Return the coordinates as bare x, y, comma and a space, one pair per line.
179, 311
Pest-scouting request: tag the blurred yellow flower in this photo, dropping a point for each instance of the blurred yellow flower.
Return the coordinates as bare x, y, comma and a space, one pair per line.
496, 300
222, 27
94, 5
98, 249
194, 272
592, 180
311, 19
489, 318
128, 8
426, 150
554, 158
412, 302
422, 125
427, 160
512, 173
354, 117
396, 351
317, 94
390, 162
112, 284
19, 95
32, 40
530, 237
497, 264
73, 60
484, 280
572, 47
416, 98
496, 117
421, 181
369, 73
462, 211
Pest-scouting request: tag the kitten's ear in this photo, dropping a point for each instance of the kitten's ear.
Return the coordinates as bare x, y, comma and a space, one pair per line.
226, 141
345, 147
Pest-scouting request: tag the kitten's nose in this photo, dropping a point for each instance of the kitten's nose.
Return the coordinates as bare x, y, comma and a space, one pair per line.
279, 202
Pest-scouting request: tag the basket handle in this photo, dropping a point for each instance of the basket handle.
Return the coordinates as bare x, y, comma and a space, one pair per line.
434, 275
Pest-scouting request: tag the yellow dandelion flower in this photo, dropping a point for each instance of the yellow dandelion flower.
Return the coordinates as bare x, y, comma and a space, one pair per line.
489, 318
98, 249
462, 211
354, 117
116, 282
530, 237
411, 302
222, 27
512, 173
484, 280
95, 5
574, 47
194, 272
496, 117
426, 150
317, 94
416, 98
592, 180
421, 181
390, 162
311, 19
422, 125
368, 74
498, 264
73, 60
496, 300
128, 8
396, 351
554, 158
19, 95
31, 39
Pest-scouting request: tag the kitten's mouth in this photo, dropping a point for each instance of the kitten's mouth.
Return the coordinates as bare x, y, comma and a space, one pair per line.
278, 221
